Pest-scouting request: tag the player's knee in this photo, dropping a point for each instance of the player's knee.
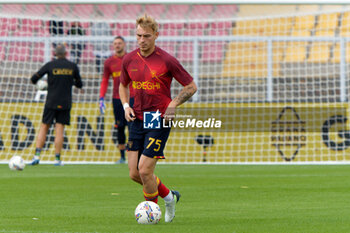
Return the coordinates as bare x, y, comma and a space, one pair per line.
134, 175
145, 173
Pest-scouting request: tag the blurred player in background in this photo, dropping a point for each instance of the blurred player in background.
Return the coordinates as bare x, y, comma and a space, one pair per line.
62, 75
101, 48
150, 70
112, 67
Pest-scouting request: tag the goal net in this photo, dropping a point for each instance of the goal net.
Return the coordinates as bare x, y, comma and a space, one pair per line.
272, 80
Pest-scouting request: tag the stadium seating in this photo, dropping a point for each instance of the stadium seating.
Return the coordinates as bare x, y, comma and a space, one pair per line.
121, 32
319, 52
305, 22
15, 9
2, 51
32, 24
328, 21
88, 54
64, 7
38, 53
251, 70
9, 24
18, 52
35, 9
295, 54
83, 10
109, 10
337, 53
129, 11
212, 52
156, 10
225, 11
169, 47
185, 52
345, 25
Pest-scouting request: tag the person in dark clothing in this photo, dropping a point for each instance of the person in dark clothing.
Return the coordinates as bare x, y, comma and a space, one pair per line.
76, 47
56, 26
62, 75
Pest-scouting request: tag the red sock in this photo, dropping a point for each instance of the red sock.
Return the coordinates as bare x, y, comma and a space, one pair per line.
151, 196
162, 189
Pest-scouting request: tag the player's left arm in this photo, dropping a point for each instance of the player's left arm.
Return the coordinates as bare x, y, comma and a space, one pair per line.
185, 94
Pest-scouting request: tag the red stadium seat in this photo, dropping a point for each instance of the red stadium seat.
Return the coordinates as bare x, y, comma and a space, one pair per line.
193, 32
4, 33
83, 10
32, 24
9, 24
173, 32
212, 51
11, 8
175, 25
197, 25
35, 9
185, 52
169, 47
155, 10
22, 33
120, 32
218, 32
225, 11
88, 54
177, 10
131, 9
221, 25
201, 11
53, 8
108, 10
125, 25
18, 53
2, 51
38, 53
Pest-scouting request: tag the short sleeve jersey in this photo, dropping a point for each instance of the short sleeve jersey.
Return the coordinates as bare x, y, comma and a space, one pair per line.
62, 75
112, 68
150, 78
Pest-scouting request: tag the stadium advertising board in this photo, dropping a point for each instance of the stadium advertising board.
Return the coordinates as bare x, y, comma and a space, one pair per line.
268, 133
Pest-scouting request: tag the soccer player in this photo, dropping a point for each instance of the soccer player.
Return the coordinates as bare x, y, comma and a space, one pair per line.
150, 70
112, 67
62, 75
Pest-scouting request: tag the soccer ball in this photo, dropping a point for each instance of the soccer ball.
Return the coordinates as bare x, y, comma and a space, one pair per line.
41, 85
148, 212
16, 163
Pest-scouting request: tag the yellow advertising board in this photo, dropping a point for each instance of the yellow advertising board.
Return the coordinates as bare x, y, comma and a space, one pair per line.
248, 133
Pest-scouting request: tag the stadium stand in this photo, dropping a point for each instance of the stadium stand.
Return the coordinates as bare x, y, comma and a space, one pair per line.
82, 10
108, 10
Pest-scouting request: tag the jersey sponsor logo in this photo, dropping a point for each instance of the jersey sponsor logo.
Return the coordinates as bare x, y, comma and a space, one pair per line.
116, 74
60, 71
134, 70
145, 85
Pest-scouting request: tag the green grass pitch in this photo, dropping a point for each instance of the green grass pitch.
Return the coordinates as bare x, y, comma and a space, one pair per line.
215, 198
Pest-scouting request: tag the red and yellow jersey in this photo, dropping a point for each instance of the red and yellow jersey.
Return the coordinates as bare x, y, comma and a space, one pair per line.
150, 79
112, 68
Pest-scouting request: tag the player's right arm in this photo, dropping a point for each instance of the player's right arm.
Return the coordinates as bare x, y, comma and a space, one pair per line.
124, 93
38, 75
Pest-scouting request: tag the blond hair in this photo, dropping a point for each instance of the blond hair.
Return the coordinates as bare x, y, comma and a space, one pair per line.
147, 21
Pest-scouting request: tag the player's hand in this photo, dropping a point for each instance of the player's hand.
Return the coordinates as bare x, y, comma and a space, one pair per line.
102, 106
129, 114
169, 114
